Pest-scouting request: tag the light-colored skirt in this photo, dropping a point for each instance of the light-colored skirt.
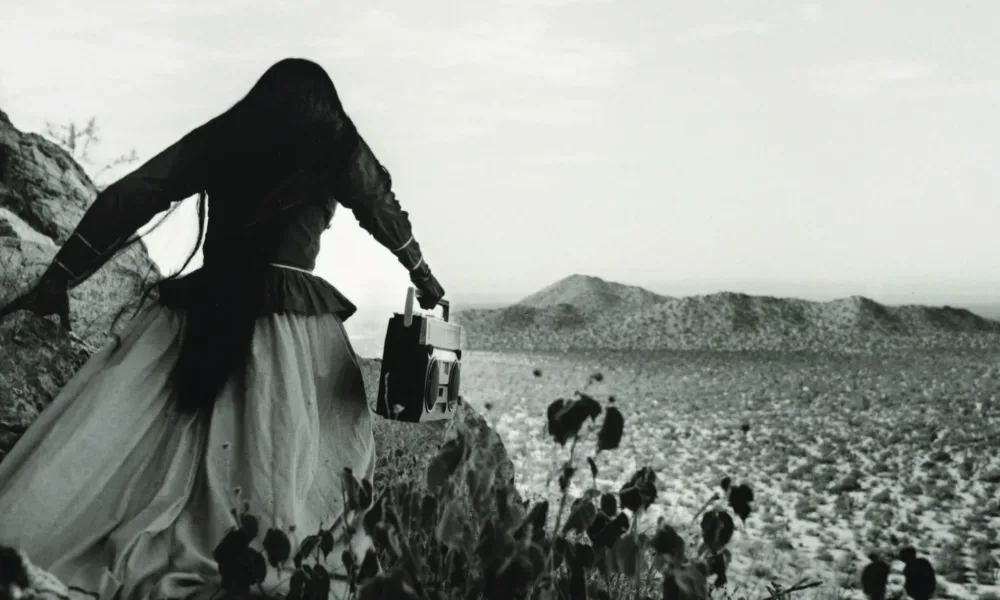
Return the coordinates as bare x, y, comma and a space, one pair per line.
113, 492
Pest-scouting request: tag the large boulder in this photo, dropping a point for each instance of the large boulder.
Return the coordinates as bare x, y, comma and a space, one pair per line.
43, 195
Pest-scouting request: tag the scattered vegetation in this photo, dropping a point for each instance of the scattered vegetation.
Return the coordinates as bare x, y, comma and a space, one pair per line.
839, 448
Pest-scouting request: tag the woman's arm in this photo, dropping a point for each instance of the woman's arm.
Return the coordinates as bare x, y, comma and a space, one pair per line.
365, 187
126, 205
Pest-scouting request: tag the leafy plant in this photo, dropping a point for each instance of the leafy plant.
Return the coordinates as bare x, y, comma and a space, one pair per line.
246, 554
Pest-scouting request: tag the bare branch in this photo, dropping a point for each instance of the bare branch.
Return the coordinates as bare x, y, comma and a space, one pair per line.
79, 141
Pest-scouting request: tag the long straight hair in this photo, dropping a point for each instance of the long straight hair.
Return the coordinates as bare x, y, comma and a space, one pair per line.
292, 116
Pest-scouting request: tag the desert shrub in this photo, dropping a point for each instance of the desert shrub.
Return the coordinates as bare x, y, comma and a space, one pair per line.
78, 141
951, 563
987, 568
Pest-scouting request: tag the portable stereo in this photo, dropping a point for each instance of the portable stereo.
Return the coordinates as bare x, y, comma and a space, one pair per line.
421, 366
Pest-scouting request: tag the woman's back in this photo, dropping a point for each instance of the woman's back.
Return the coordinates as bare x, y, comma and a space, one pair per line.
279, 220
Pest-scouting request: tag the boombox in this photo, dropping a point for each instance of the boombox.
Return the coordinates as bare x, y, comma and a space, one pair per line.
421, 366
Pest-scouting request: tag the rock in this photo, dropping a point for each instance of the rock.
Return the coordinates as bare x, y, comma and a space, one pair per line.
35, 361
43, 195
405, 448
941, 456
849, 483
42, 183
13, 226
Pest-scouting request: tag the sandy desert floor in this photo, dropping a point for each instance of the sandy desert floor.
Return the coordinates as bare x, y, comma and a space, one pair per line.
846, 454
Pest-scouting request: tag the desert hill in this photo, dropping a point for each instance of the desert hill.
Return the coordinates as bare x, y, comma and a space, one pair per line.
581, 313
592, 295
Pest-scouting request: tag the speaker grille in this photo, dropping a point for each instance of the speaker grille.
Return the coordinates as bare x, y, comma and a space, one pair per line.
433, 384
454, 381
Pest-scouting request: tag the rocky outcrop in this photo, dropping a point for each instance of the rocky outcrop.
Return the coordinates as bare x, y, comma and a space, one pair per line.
43, 194
405, 448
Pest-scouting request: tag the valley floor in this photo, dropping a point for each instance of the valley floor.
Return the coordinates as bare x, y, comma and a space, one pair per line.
846, 454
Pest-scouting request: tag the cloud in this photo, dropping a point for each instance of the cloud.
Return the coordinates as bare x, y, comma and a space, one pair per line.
578, 158
985, 87
448, 111
521, 45
808, 12
811, 12
470, 77
450, 74
79, 58
534, 4
80, 45
724, 30
861, 80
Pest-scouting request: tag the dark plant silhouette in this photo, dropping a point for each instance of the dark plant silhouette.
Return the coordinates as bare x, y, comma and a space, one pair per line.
875, 578
921, 581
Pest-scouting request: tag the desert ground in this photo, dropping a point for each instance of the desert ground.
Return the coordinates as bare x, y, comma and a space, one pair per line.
845, 454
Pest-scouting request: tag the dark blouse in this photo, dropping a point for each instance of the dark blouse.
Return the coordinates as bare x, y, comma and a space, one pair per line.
293, 229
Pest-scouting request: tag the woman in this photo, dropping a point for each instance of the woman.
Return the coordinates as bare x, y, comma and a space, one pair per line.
239, 384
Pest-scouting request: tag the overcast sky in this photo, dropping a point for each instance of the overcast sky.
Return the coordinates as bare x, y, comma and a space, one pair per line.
789, 147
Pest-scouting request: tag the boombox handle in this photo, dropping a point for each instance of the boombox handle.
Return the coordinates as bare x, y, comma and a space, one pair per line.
411, 294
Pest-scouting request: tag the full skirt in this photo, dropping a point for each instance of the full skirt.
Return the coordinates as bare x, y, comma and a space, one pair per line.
114, 492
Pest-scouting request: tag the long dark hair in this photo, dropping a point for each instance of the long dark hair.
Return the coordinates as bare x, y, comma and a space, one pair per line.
290, 118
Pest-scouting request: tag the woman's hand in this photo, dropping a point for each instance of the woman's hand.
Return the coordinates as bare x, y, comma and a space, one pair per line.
430, 290
50, 296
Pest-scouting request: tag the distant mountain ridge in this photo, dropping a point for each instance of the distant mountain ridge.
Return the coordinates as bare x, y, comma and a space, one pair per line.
583, 312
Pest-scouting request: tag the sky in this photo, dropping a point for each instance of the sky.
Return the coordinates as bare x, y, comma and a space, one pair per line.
807, 148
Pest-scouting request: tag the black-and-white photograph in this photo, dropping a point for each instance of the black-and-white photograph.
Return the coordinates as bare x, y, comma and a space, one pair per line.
500, 300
